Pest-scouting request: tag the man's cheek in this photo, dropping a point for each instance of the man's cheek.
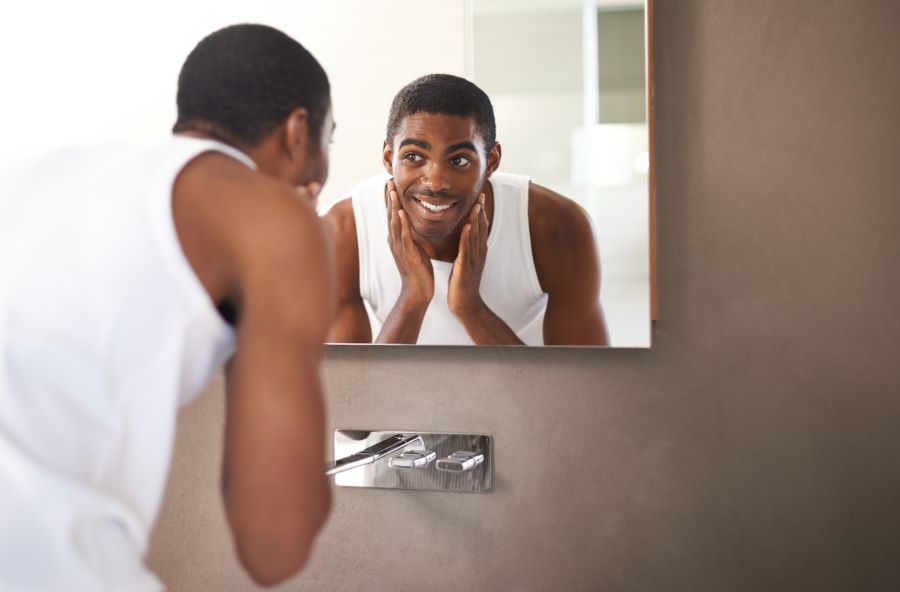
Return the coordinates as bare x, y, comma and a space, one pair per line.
401, 195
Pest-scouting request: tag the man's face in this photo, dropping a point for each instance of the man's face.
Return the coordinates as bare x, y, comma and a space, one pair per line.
439, 164
315, 168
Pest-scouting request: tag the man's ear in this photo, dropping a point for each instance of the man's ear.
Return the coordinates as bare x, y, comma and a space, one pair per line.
296, 134
387, 157
493, 159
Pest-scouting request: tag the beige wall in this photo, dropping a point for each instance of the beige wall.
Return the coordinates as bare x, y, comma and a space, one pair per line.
756, 446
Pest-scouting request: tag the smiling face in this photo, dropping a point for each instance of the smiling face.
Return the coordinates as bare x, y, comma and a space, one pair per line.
439, 164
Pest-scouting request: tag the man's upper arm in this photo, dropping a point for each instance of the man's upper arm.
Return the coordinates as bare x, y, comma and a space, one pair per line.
568, 267
255, 243
351, 322
276, 495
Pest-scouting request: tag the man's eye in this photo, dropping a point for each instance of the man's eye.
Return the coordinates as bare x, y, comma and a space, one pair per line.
460, 160
412, 157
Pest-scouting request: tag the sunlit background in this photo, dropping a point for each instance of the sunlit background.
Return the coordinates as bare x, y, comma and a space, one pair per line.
98, 71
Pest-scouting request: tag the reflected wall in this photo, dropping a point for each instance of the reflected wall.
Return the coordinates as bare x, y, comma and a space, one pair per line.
568, 82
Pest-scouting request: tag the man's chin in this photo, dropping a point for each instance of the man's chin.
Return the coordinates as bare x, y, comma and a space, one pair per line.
432, 230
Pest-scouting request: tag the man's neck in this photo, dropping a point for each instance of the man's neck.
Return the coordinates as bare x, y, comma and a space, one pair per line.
258, 154
206, 134
440, 249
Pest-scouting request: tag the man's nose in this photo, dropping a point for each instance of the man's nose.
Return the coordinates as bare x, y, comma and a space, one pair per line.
436, 178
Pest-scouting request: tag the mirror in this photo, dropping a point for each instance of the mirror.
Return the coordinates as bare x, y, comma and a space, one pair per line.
567, 81
119, 81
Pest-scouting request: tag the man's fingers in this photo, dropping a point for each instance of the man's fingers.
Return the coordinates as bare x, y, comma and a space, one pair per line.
392, 193
483, 224
396, 226
397, 214
482, 227
473, 213
309, 192
405, 234
395, 199
410, 241
464, 244
475, 233
390, 200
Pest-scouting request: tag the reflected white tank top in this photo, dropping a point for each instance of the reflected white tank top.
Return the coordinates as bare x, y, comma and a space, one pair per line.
104, 330
509, 283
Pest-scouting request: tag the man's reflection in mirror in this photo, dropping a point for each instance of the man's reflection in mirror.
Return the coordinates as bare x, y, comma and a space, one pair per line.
445, 249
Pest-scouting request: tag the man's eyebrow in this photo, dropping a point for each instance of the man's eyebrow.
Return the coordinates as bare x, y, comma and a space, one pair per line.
414, 142
460, 146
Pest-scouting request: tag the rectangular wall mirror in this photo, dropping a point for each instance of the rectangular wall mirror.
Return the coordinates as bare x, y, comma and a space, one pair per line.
566, 79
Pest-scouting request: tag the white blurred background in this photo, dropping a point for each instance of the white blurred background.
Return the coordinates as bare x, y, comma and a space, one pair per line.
567, 80
100, 70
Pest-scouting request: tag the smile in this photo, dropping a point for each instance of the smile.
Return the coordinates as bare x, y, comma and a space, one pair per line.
434, 207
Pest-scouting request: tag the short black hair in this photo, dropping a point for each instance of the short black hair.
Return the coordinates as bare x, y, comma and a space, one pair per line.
447, 95
244, 80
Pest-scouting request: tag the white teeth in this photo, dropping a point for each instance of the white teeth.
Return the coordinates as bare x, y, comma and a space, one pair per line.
433, 207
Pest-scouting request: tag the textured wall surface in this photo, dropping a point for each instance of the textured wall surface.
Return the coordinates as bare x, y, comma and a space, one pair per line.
756, 446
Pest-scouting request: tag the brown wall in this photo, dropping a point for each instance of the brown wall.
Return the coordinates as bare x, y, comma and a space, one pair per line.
756, 446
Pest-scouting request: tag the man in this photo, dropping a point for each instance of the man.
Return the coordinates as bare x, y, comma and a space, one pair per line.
446, 250
123, 271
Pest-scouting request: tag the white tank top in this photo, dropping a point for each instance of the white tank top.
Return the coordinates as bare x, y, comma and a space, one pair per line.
509, 283
104, 330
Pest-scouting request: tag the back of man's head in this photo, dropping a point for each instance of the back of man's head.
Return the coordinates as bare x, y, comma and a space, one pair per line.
444, 94
242, 81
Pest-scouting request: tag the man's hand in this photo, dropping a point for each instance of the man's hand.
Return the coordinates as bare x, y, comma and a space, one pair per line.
415, 269
309, 193
463, 296
403, 323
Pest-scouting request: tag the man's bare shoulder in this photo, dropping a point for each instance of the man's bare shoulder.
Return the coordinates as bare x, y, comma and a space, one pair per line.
241, 214
562, 239
341, 220
239, 228
243, 199
556, 222
342, 225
